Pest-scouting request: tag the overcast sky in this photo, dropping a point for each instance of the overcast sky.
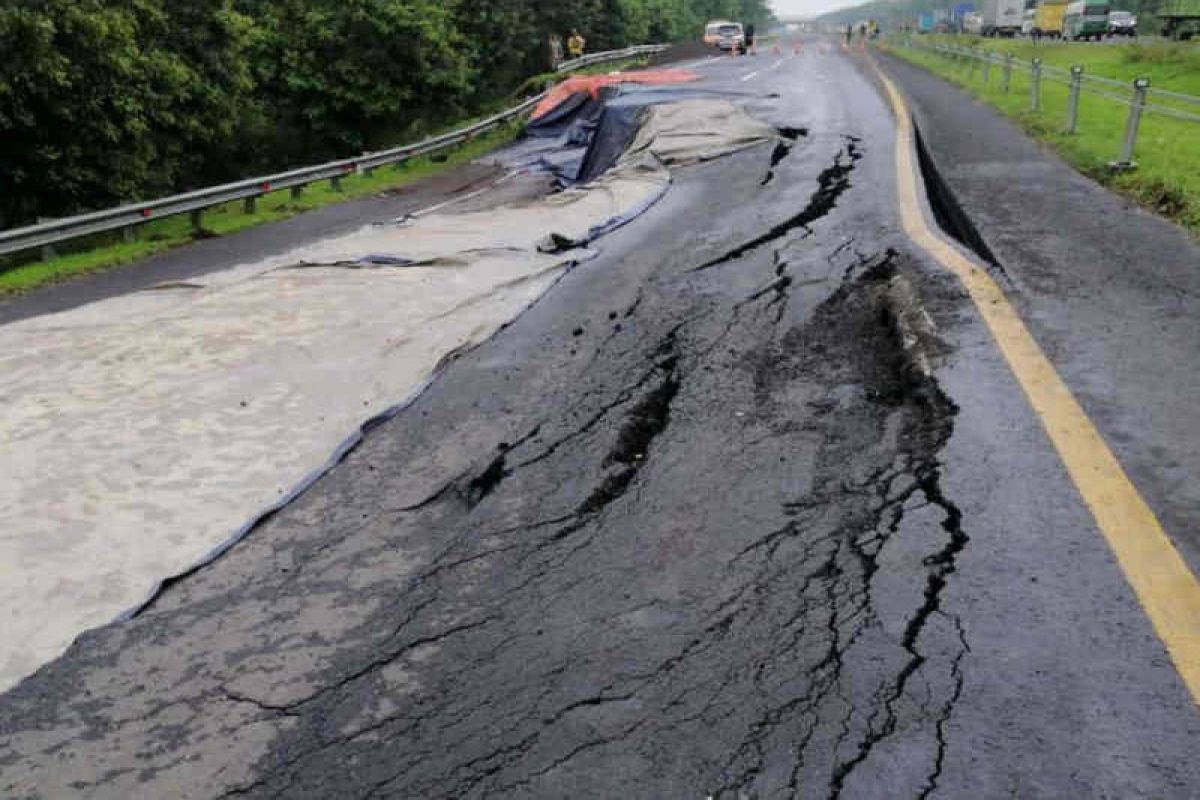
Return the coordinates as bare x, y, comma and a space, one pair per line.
809, 8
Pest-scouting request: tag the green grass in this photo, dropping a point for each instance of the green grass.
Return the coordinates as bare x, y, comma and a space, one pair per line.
1167, 178
159, 235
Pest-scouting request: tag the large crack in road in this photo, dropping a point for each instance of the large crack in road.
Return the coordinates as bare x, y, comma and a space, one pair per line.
669, 577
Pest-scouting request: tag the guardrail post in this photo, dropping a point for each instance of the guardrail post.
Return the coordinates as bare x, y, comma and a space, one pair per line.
1006, 78
1035, 86
972, 61
1073, 99
49, 251
129, 234
197, 220
987, 68
250, 205
297, 191
1136, 105
335, 183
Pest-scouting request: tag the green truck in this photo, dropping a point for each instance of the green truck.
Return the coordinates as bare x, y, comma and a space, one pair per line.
1085, 19
1180, 19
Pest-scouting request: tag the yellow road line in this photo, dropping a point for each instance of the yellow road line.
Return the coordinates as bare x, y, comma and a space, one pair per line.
1167, 589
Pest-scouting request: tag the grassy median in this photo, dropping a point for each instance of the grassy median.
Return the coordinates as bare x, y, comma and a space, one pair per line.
1167, 177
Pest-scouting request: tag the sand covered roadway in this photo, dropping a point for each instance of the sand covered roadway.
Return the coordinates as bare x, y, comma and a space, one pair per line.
142, 431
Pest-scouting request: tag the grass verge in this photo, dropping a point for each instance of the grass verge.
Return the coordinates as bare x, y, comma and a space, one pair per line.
1167, 178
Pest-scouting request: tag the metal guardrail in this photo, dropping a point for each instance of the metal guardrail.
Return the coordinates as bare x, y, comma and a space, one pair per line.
127, 217
1139, 96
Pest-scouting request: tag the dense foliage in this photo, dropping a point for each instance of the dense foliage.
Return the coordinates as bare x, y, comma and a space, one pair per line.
103, 101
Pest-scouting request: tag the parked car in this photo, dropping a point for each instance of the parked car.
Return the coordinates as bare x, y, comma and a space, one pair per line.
1122, 23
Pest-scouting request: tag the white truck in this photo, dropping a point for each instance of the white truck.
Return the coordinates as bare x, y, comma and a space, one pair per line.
1002, 17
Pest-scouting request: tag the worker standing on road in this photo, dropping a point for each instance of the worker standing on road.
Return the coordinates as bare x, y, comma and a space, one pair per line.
576, 44
554, 50
749, 37
849, 33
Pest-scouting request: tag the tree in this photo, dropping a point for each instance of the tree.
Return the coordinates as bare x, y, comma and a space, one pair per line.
104, 101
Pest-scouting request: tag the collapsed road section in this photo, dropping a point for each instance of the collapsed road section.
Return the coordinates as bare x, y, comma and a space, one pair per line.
749, 505
142, 431
583, 593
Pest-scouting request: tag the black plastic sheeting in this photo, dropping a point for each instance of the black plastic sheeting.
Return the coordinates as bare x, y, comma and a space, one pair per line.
581, 138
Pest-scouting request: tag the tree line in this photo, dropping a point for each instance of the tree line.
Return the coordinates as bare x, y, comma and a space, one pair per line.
105, 101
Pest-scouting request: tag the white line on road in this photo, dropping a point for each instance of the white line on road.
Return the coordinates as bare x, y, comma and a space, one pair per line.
460, 199
751, 75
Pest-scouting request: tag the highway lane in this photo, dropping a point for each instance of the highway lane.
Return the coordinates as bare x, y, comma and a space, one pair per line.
750, 505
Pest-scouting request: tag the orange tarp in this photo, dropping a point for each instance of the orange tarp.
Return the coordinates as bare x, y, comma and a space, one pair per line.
592, 84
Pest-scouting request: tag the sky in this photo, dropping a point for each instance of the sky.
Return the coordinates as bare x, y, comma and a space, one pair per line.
809, 8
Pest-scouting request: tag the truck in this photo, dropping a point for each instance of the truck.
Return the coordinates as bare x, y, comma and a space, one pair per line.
1048, 19
958, 13
1180, 19
925, 22
1002, 17
1085, 19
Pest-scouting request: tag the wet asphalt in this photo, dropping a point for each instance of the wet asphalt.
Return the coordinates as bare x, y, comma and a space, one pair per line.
749, 505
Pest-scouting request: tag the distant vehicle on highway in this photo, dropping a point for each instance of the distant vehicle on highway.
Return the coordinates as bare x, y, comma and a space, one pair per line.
973, 23
925, 22
731, 36
1085, 19
1048, 19
712, 31
1180, 18
1001, 17
1122, 23
1028, 21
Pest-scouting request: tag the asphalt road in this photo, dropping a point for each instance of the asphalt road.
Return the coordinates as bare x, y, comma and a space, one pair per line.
750, 505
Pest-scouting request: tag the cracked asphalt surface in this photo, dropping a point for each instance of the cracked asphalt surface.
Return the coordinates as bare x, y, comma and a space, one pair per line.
747, 506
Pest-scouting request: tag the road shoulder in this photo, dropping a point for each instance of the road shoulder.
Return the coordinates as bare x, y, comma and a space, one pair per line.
1108, 290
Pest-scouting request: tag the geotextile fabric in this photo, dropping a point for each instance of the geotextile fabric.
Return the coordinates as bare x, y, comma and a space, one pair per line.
142, 433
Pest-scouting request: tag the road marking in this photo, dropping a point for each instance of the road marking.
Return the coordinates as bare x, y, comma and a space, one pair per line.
751, 75
1167, 590
458, 199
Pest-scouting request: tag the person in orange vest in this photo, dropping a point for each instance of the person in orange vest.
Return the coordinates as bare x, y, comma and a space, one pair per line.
576, 44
